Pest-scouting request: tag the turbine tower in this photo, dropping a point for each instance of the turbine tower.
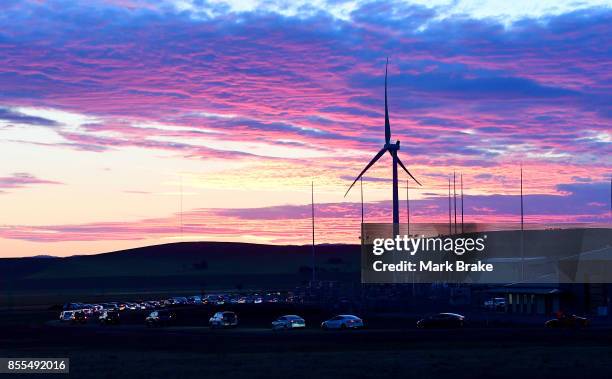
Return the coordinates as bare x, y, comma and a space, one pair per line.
392, 148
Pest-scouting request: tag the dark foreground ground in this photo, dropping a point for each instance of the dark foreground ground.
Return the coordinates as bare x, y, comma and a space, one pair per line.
133, 351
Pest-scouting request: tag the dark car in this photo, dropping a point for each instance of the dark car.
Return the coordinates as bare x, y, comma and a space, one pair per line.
223, 320
160, 318
567, 321
288, 322
80, 317
110, 306
442, 320
109, 317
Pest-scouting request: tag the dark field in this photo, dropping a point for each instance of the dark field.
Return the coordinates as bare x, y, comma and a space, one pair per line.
385, 349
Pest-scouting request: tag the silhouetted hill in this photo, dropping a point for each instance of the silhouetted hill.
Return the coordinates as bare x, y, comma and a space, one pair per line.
193, 264
224, 265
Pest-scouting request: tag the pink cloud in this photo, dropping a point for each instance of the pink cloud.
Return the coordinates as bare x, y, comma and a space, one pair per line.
21, 180
335, 222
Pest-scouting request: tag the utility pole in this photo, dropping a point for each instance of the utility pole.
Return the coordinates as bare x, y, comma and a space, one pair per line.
522, 209
455, 201
361, 182
522, 230
450, 229
462, 203
313, 234
181, 207
361, 226
408, 206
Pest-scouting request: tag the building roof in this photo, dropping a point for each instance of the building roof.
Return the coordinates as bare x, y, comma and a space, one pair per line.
525, 290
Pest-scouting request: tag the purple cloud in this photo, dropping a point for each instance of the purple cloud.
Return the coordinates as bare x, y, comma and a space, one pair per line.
12, 116
336, 222
21, 180
465, 94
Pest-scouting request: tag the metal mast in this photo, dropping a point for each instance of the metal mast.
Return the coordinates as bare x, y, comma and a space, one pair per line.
455, 201
462, 203
313, 233
450, 229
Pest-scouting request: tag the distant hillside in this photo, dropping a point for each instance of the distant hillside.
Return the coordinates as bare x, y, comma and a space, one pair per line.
221, 265
194, 264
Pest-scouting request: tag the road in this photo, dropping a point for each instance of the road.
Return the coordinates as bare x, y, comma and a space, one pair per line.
249, 339
134, 351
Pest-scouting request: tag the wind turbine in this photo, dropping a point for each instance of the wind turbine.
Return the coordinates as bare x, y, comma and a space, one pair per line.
392, 148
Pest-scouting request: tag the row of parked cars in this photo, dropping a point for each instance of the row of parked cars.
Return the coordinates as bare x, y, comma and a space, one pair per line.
224, 319
81, 316
228, 319
214, 299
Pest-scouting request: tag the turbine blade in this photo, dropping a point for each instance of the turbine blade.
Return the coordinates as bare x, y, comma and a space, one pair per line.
376, 157
408, 172
387, 123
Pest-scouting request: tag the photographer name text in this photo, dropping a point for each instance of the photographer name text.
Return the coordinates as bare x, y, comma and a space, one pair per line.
412, 246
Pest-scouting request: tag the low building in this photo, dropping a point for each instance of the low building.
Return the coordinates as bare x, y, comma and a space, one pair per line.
530, 299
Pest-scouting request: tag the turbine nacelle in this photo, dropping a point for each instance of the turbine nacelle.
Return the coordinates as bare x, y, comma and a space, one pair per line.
392, 146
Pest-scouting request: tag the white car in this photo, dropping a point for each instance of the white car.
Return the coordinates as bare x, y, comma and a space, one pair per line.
97, 308
288, 322
67, 316
343, 322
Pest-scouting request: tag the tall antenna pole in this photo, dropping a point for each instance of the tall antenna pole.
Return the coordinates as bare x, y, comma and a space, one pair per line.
450, 229
522, 230
361, 182
455, 201
361, 226
461, 203
522, 209
408, 222
408, 205
313, 232
181, 207
396, 218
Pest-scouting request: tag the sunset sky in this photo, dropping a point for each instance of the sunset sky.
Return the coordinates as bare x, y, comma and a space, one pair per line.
120, 120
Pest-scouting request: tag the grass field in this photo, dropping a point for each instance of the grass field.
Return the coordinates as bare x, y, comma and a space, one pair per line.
534, 362
262, 354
